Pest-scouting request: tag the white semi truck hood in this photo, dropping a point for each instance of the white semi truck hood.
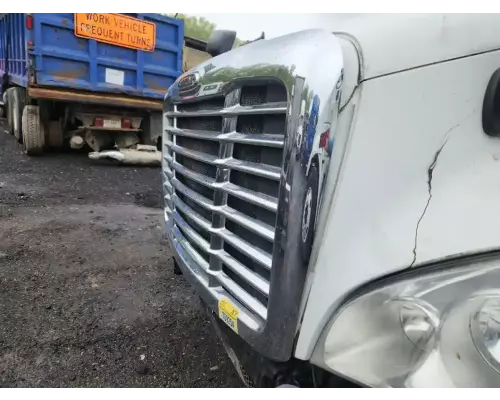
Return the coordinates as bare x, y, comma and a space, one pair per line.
390, 43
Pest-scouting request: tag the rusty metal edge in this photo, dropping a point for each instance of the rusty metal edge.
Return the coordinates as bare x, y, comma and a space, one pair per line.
101, 128
94, 98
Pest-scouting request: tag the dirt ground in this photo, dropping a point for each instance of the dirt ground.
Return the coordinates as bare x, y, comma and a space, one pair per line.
87, 291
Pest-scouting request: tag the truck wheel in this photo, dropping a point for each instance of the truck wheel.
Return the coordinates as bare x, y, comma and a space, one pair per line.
309, 205
8, 109
33, 133
55, 135
2, 112
18, 98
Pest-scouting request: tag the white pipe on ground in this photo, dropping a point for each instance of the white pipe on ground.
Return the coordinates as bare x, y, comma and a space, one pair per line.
129, 156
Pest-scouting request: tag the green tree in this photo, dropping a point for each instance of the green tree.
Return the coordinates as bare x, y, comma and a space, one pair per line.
199, 28
194, 27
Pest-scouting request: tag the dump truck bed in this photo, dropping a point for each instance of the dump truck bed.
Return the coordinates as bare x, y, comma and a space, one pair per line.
135, 54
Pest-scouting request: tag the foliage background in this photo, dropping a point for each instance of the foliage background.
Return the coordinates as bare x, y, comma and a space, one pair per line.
199, 28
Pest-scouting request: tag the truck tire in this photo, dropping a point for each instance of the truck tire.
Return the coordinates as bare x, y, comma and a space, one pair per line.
18, 98
2, 113
8, 109
33, 133
55, 134
309, 207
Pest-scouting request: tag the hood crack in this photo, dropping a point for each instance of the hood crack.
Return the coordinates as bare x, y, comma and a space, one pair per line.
430, 172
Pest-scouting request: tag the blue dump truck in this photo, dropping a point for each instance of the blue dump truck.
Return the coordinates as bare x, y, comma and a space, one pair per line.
87, 79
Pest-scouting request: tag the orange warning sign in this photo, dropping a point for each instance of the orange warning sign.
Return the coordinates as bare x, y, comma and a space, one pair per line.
116, 29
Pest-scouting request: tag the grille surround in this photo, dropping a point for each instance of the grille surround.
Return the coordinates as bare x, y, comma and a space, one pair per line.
275, 336
292, 60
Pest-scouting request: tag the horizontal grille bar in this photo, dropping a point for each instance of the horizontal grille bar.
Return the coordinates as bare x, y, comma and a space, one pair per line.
243, 296
268, 108
260, 199
256, 254
190, 249
208, 158
258, 227
195, 176
256, 139
251, 277
263, 170
202, 222
190, 232
196, 197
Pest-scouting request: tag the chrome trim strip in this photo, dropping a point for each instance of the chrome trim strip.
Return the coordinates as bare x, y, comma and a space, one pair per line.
233, 111
242, 296
193, 235
249, 276
253, 225
259, 199
195, 196
193, 215
262, 170
190, 249
199, 178
246, 248
196, 155
257, 139
211, 295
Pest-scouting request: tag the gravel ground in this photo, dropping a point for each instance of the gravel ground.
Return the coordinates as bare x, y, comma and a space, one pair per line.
87, 291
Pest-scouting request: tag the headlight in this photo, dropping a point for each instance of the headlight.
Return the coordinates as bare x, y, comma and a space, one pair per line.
429, 329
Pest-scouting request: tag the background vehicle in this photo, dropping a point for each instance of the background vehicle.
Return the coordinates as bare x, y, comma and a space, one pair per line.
400, 285
94, 79
194, 53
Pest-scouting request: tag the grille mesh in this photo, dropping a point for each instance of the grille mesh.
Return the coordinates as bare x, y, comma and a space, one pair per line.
225, 176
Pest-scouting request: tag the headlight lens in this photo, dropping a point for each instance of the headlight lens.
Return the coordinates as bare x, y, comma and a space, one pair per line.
440, 328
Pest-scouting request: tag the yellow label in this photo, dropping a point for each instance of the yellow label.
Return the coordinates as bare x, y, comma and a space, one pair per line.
229, 314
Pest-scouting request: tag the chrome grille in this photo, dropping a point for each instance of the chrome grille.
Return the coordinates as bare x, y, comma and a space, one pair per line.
223, 160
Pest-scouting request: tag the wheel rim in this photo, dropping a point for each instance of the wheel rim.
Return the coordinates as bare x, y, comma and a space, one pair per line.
306, 214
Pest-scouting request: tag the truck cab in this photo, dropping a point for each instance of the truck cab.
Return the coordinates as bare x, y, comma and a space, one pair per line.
371, 258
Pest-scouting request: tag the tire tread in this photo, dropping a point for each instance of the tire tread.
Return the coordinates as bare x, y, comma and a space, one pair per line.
32, 128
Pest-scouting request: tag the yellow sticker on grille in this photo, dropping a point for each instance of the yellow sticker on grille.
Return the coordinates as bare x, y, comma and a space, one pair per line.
229, 314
